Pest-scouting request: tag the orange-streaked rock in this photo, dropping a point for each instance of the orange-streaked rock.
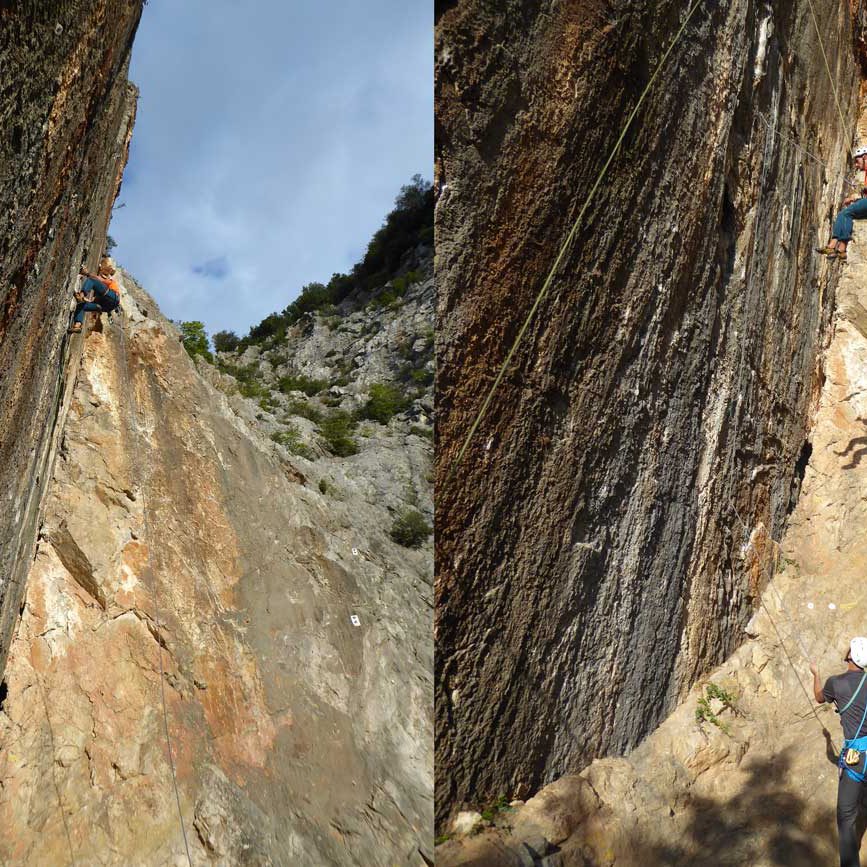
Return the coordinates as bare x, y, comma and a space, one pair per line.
296, 737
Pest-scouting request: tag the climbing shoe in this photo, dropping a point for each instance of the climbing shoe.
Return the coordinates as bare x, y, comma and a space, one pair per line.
826, 250
75, 328
839, 257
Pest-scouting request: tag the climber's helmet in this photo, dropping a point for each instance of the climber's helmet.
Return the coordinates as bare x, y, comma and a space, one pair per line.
858, 651
106, 267
859, 153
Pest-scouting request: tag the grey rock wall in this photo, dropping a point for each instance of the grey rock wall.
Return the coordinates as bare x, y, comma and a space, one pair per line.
295, 635
592, 548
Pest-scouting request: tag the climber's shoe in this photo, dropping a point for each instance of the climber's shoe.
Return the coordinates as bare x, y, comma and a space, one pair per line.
75, 328
840, 257
826, 250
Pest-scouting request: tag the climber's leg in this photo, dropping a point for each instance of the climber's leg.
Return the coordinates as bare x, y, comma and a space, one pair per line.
861, 823
848, 801
844, 224
85, 307
97, 287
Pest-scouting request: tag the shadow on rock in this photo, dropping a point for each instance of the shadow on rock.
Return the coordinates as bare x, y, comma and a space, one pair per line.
764, 823
856, 455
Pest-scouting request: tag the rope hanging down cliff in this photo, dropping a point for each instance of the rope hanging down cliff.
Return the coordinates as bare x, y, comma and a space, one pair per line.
827, 65
58, 404
793, 142
576, 225
143, 484
569, 238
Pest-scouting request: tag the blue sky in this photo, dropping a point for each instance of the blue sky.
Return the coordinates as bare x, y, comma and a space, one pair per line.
270, 141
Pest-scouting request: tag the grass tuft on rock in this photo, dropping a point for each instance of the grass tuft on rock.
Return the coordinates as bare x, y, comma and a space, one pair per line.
291, 439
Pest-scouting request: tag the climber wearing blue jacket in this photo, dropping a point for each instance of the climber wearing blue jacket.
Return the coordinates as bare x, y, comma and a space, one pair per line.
849, 692
855, 208
99, 287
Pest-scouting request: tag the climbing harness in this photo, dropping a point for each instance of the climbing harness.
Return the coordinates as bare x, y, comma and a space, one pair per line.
143, 484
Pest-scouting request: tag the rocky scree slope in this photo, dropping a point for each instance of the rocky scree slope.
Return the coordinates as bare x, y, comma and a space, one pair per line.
172, 522
657, 409
741, 772
66, 117
349, 393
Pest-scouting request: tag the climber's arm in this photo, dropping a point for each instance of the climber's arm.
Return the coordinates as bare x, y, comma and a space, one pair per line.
849, 200
818, 692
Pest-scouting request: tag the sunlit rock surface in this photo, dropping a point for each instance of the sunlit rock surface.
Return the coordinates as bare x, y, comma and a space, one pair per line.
296, 736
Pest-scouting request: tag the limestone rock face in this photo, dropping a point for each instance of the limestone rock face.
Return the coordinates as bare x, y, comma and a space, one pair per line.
66, 116
178, 536
350, 353
758, 786
655, 414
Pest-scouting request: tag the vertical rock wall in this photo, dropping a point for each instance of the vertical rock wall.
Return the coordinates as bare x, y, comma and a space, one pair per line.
754, 782
297, 736
594, 547
66, 116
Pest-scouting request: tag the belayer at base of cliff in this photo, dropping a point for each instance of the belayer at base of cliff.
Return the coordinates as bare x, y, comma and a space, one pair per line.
849, 692
855, 208
98, 294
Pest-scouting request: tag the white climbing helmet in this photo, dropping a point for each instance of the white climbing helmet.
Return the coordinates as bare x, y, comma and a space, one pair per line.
858, 651
859, 152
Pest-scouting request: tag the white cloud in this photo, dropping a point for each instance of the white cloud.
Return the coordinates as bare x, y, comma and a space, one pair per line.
275, 140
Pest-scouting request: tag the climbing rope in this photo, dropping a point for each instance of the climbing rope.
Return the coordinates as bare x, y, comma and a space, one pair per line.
569, 238
154, 583
573, 231
54, 760
800, 642
803, 150
827, 65
810, 701
58, 403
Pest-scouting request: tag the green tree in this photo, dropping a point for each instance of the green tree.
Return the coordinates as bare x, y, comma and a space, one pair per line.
411, 529
196, 340
337, 431
409, 223
226, 341
403, 228
314, 296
